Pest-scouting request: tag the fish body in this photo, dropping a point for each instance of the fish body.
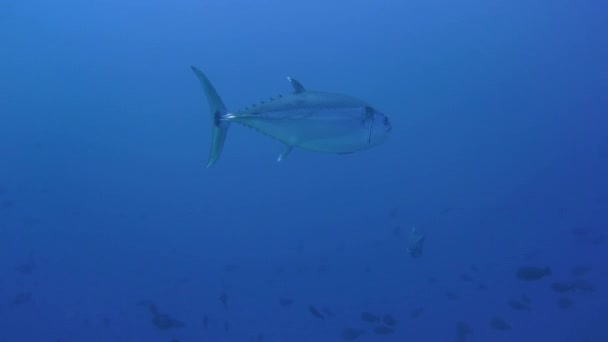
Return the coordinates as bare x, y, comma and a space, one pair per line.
311, 120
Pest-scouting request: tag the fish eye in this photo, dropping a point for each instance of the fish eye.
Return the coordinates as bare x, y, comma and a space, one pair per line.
387, 124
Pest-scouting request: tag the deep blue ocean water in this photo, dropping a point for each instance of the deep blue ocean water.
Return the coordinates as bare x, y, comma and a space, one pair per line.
498, 155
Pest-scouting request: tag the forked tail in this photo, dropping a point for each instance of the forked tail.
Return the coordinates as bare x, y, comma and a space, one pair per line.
218, 111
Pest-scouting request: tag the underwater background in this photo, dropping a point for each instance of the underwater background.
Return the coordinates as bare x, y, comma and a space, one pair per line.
112, 229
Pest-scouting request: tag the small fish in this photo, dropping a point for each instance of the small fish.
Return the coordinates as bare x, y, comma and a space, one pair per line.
518, 305
452, 296
260, 338
432, 280
463, 330
285, 301
26, 268
310, 120
224, 300
498, 323
328, 312
525, 298
370, 317
165, 321
416, 312
466, 277
415, 243
226, 326
20, 298
583, 286
389, 320
231, 267
205, 322
562, 287
315, 312
532, 273
351, 334
383, 330
580, 270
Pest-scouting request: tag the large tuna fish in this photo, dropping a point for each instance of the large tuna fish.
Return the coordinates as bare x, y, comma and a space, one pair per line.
311, 120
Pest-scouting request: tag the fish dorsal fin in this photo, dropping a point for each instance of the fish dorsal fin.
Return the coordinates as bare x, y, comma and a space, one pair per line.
297, 86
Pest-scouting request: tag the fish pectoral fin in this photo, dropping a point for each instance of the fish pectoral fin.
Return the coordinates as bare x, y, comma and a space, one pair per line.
284, 155
297, 86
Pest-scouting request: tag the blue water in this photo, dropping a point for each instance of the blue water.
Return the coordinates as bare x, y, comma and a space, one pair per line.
498, 155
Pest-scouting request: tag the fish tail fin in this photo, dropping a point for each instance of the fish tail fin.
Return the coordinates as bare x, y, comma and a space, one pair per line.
218, 112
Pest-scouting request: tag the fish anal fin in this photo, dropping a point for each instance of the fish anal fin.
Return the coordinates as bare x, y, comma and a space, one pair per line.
286, 153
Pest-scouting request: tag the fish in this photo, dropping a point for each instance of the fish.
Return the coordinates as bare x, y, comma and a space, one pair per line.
416, 312
383, 330
284, 301
580, 270
452, 295
415, 243
466, 277
315, 312
498, 323
531, 273
351, 334
518, 305
369, 317
310, 120
562, 287
224, 299
463, 330
20, 298
328, 312
26, 268
389, 320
